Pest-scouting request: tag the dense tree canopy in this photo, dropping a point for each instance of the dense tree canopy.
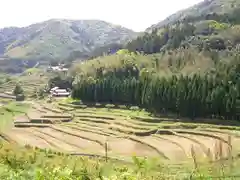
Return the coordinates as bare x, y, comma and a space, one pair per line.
193, 70
17, 90
205, 29
190, 96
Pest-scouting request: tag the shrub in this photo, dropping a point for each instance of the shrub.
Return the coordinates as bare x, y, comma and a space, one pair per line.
17, 90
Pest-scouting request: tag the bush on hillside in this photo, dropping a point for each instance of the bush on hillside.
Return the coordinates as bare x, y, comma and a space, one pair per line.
17, 90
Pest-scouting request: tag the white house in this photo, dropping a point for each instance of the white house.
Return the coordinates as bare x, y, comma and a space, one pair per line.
53, 89
58, 68
59, 92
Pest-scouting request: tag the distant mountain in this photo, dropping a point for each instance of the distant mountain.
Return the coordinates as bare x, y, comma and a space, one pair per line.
221, 7
57, 38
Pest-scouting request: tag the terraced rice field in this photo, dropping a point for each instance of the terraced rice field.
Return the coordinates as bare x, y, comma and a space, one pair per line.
80, 129
28, 83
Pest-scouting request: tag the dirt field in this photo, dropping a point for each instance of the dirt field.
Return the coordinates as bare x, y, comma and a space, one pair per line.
124, 135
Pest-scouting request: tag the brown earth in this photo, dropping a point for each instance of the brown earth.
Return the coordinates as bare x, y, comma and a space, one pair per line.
116, 133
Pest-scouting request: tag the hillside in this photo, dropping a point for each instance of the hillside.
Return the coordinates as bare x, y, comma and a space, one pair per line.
204, 27
184, 68
170, 97
223, 7
211, 25
57, 38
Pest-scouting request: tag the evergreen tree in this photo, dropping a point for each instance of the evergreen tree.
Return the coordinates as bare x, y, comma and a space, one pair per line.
17, 90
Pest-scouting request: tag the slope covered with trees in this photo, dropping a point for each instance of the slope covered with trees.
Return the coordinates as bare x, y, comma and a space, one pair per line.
208, 32
190, 68
213, 94
57, 38
201, 10
212, 25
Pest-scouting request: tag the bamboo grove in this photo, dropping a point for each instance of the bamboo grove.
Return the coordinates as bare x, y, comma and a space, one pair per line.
186, 96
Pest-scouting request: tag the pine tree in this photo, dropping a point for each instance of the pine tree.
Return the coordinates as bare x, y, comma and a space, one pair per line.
17, 90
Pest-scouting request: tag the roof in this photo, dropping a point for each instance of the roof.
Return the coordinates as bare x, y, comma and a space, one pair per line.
54, 88
64, 69
58, 68
60, 90
61, 94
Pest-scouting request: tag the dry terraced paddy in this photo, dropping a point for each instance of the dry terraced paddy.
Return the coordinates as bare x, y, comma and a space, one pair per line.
41, 115
123, 132
29, 83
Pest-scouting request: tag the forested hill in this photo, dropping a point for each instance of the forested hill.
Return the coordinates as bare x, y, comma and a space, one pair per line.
201, 10
211, 24
190, 68
206, 32
57, 38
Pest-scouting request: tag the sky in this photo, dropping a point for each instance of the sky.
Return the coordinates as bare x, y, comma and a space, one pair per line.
134, 14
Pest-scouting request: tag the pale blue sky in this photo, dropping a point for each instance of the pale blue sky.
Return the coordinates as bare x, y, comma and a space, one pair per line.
133, 14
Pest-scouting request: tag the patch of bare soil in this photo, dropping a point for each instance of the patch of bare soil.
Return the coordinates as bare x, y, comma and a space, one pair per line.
77, 142
90, 135
38, 107
34, 114
116, 145
209, 142
128, 147
185, 143
60, 145
171, 150
21, 118
234, 141
23, 137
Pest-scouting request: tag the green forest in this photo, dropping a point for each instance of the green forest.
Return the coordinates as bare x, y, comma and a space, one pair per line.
207, 32
190, 69
187, 96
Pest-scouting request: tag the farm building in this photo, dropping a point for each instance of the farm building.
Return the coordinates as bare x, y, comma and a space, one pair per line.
57, 68
59, 92
53, 89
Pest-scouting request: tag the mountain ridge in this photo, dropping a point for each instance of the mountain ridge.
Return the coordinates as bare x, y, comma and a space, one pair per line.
56, 38
202, 8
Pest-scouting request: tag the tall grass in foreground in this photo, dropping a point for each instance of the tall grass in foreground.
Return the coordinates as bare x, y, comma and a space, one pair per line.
41, 164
